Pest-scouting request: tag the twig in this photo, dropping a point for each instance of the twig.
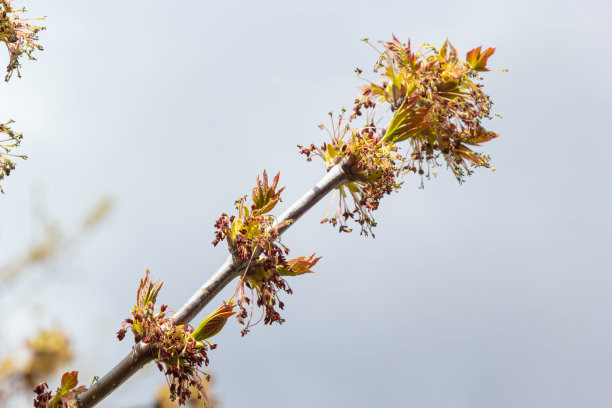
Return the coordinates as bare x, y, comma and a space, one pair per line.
141, 353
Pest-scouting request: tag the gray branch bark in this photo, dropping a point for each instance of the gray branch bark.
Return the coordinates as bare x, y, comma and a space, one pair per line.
142, 354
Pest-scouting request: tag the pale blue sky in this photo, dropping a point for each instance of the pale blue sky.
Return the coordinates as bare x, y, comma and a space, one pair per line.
496, 293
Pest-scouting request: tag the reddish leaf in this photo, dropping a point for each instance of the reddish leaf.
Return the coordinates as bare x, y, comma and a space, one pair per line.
299, 266
449, 52
70, 380
147, 291
478, 59
482, 135
264, 196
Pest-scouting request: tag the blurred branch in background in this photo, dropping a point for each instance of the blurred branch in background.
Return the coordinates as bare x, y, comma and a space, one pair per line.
53, 243
49, 350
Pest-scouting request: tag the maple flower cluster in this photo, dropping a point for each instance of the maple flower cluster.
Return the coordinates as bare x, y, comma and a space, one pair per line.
18, 35
373, 170
9, 139
180, 351
437, 109
253, 239
20, 38
65, 396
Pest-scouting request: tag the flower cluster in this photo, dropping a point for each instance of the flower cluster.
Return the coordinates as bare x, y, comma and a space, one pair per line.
373, 172
179, 351
267, 282
253, 238
439, 106
65, 396
253, 229
20, 38
9, 139
18, 34
162, 397
437, 109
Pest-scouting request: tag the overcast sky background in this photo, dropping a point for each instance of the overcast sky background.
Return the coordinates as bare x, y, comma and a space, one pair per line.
496, 293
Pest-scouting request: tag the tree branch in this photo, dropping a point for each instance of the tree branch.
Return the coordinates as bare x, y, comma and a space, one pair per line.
142, 354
